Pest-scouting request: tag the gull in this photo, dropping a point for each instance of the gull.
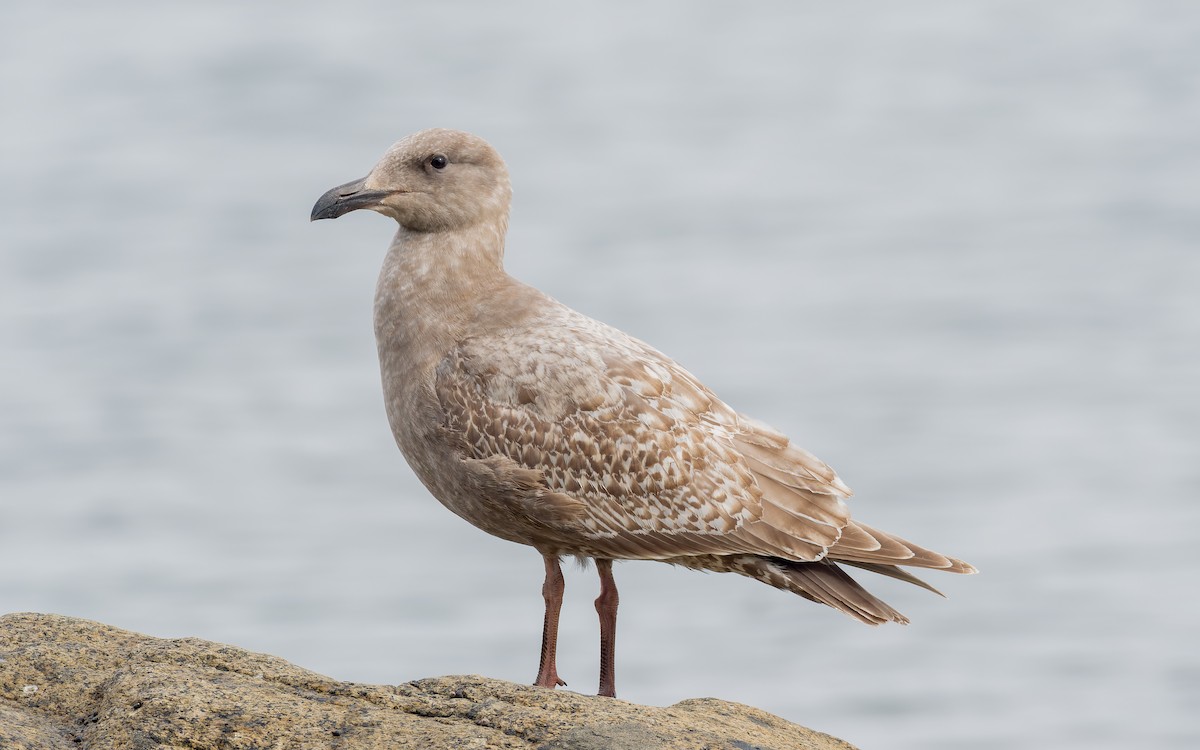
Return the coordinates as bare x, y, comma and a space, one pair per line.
547, 428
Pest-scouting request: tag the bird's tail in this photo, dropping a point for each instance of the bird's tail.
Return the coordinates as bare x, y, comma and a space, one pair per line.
822, 582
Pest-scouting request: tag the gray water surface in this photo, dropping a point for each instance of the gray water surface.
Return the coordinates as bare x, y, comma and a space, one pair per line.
951, 248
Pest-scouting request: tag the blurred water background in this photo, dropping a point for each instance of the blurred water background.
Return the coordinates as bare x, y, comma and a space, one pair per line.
952, 248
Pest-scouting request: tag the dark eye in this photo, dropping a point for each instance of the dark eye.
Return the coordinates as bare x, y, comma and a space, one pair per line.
438, 162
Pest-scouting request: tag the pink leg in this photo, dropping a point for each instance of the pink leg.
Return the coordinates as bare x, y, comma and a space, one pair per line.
606, 607
552, 592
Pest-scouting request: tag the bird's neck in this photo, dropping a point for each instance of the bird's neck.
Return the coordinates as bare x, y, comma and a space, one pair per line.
432, 285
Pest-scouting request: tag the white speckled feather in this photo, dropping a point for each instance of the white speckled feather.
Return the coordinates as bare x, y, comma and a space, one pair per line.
640, 442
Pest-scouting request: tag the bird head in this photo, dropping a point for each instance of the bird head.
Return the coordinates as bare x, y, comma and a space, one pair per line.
432, 181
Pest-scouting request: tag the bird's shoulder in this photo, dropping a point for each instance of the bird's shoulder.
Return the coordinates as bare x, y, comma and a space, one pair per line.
560, 362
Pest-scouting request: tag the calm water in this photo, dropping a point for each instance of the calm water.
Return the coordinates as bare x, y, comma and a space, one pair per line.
949, 247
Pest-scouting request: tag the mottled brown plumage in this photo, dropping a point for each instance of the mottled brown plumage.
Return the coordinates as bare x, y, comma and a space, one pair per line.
545, 427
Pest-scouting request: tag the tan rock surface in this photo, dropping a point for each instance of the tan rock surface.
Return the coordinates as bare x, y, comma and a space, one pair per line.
67, 683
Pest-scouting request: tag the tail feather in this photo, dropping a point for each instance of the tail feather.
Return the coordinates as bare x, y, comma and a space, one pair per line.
860, 543
837, 589
893, 571
821, 582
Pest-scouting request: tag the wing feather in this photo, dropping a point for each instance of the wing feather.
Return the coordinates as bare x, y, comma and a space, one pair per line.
623, 432
659, 467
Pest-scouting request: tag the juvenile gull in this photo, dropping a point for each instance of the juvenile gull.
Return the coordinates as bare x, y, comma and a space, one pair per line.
544, 427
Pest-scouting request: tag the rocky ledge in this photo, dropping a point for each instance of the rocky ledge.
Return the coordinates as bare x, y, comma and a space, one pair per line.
67, 683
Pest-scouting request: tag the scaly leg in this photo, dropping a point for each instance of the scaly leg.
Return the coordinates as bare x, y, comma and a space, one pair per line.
552, 592
606, 607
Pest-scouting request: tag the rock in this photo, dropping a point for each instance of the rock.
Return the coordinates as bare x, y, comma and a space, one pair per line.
67, 683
